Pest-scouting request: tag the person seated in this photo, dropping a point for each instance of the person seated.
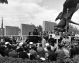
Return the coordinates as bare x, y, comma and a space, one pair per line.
13, 54
33, 54
50, 53
29, 38
40, 51
35, 36
51, 40
61, 55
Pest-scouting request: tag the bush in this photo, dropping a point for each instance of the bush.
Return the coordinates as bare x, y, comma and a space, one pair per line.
76, 59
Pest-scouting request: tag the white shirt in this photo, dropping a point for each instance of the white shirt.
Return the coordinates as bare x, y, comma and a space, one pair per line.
66, 52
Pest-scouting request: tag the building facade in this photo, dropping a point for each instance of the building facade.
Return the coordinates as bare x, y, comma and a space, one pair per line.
11, 30
48, 26
26, 28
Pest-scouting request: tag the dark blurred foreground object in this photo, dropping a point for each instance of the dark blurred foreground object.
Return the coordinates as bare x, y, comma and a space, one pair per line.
69, 8
4, 1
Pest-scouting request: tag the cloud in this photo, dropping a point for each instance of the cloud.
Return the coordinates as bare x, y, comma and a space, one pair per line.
29, 11
25, 1
75, 17
52, 4
47, 15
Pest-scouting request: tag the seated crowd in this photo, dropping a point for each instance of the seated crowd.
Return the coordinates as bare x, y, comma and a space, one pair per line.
37, 48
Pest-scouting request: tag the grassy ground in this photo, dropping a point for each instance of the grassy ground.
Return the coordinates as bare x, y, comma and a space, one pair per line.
20, 60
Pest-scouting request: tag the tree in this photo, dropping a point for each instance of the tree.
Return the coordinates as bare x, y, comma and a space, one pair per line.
4, 1
73, 29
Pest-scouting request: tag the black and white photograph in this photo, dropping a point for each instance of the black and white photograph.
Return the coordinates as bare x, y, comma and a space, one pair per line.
39, 31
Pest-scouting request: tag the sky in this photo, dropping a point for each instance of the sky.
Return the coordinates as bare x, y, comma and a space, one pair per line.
18, 12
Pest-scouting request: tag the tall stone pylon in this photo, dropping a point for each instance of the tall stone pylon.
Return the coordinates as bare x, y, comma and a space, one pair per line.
2, 23
2, 29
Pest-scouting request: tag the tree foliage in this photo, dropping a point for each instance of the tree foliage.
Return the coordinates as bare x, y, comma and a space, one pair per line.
4, 1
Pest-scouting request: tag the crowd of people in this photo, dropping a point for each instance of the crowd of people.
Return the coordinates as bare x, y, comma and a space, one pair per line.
45, 48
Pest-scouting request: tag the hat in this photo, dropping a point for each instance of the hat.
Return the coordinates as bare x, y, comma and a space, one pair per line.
47, 44
21, 43
30, 42
6, 43
42, 58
